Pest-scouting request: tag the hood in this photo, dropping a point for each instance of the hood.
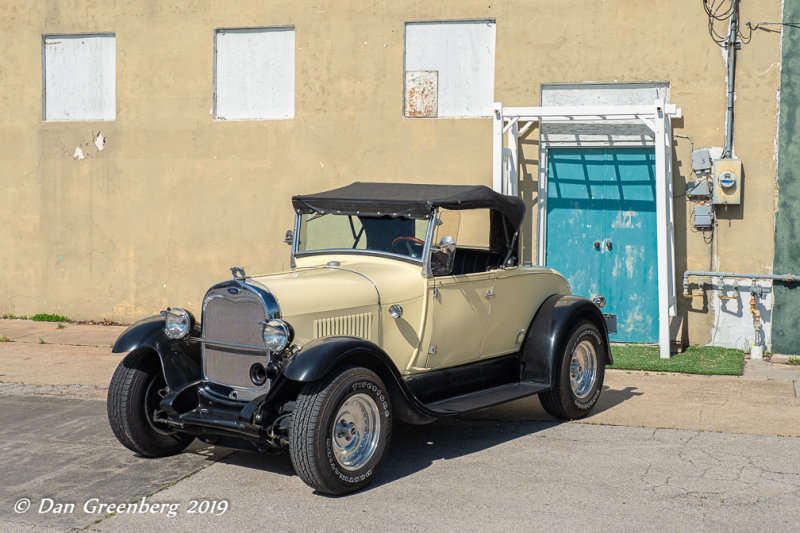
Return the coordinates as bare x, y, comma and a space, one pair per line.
319, 290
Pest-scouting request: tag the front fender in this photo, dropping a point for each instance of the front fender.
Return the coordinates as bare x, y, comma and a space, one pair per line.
548, 332
180, 359
319, 357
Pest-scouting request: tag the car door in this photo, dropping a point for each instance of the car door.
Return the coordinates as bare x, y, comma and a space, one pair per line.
459, 303
458, 313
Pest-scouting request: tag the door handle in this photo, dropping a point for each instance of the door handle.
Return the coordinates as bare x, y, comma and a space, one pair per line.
609, 244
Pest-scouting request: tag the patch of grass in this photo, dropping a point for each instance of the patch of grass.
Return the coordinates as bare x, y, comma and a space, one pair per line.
5, 339
9, 316
794, 361
695, 360
61, 326
47, 317
41, 341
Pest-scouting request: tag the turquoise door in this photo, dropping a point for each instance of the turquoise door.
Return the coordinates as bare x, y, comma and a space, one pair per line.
601, 220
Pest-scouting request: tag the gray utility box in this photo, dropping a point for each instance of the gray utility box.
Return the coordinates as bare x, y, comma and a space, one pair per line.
702, 216
701, 161
698, 189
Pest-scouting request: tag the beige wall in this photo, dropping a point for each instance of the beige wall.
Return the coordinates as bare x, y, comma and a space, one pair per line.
175, 198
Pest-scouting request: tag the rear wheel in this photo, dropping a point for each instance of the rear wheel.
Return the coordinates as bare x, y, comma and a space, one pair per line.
340, 431
136, 389
579, 374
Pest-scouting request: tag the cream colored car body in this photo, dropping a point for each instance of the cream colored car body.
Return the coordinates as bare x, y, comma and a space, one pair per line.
446, 320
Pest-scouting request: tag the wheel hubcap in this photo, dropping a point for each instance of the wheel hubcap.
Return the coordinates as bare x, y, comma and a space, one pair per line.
583, 369
356, 431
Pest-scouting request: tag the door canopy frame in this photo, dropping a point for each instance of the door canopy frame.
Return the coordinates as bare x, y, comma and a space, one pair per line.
516, 121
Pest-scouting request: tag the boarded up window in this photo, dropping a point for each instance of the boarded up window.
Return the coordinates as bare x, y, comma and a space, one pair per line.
79, 77
254, 74
449, 69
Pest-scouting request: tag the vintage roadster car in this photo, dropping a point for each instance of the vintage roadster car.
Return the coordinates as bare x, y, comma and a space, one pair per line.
404, 302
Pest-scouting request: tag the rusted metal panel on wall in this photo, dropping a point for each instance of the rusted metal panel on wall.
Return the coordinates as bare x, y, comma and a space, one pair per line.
422, 93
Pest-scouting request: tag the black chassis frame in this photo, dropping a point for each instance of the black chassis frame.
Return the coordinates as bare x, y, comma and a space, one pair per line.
193, 405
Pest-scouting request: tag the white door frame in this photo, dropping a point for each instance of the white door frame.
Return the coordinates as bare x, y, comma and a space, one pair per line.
657, 117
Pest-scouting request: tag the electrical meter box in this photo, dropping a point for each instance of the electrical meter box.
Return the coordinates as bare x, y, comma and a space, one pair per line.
727, 182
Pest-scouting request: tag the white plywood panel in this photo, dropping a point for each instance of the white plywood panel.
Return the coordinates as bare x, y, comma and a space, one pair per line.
597, 94
79, 77
463, 54
600, 133
254, 74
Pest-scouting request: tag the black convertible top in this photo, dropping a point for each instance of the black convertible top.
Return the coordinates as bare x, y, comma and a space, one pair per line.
410, 200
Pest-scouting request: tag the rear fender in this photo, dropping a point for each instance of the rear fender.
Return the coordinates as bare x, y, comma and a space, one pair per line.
548, 333
180, 359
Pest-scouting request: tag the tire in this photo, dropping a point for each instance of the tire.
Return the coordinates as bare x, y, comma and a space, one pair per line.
328, 444
579, 374
132, 399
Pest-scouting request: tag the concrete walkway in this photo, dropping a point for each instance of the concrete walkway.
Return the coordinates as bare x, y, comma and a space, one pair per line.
76, 360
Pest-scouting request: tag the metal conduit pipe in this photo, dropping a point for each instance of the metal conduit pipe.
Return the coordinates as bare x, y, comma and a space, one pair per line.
727, 150
757, 347
788, 278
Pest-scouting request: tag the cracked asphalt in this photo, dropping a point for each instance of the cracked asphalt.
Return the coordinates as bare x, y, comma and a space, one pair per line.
506, 468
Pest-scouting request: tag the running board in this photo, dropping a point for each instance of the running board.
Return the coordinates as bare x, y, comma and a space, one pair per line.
486, 398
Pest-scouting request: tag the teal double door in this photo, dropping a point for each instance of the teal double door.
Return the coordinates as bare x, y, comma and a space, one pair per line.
601, 232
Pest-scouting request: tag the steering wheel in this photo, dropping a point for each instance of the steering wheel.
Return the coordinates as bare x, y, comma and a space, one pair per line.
408, 241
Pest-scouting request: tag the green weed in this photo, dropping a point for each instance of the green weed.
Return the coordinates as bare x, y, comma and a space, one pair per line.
47, 317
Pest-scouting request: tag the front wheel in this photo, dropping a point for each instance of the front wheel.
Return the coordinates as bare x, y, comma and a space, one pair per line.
340, 431
579, 375
133, 397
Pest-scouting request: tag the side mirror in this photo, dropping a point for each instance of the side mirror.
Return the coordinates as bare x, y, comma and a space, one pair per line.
289, 239
443, 256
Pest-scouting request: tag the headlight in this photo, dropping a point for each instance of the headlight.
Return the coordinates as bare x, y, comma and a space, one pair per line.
177, 322
277, 335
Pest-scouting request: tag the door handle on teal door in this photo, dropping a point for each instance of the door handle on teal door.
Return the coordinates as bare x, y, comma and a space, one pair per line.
609, 244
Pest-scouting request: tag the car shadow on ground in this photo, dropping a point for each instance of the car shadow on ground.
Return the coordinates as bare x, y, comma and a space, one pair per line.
415, 448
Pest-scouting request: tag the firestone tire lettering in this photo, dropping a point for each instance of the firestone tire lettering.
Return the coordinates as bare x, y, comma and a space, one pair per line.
311, 445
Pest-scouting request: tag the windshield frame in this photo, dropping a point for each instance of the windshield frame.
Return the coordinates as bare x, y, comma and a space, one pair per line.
423, 261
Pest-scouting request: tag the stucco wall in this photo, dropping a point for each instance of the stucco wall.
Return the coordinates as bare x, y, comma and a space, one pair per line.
176, 197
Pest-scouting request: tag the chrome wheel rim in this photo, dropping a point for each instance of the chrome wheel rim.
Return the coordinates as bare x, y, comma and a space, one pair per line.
356, 431
583, 369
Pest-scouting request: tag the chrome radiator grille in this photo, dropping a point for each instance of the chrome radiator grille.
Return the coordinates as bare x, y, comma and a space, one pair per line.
233, 318
350, 325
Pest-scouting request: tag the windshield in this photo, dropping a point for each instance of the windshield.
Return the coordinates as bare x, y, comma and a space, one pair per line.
401, 236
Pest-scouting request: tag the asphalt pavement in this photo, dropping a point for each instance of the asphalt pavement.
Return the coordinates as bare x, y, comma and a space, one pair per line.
661, 452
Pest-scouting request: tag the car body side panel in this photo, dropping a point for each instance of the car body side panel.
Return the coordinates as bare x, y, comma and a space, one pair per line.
518, 294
